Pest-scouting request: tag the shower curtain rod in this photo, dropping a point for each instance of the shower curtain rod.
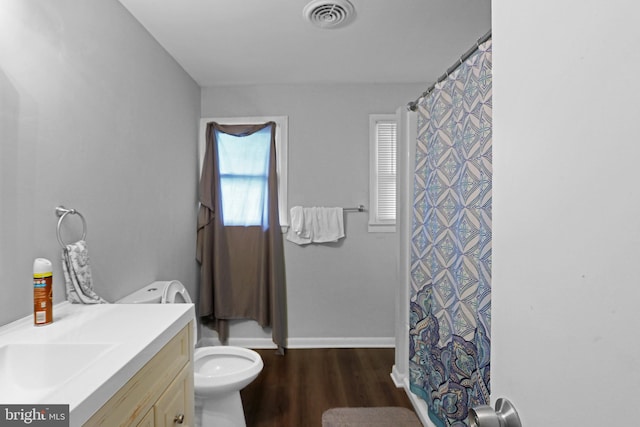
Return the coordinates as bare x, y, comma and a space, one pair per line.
413, 105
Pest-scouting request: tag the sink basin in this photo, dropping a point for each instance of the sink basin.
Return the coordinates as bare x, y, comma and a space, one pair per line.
30, 371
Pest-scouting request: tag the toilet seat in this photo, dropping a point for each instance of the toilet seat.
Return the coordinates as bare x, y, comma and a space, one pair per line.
218, 369
171, 292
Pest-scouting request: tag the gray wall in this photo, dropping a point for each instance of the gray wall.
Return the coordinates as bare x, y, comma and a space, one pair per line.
95, 115
342, 290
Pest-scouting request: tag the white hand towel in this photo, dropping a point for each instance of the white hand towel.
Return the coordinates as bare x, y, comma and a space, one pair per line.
299, 233
328, 225
315, 225
294, 238
297, 221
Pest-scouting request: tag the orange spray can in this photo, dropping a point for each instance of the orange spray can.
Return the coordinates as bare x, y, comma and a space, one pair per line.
42, 292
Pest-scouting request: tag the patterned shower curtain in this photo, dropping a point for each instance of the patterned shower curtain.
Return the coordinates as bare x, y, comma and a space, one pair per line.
450, 311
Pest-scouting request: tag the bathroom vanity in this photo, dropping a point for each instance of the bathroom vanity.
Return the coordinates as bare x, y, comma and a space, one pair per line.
160, 394
113, 364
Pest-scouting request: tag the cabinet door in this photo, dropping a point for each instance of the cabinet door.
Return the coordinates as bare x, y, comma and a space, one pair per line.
175, 406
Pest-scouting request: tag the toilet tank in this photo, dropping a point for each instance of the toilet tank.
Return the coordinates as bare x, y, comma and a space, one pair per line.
150, 294
154, 292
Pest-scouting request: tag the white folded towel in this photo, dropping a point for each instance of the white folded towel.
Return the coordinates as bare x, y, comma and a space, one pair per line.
300, 230
328, 224
316, 225
297, 222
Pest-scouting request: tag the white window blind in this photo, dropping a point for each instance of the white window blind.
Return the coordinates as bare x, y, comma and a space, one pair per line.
383, 137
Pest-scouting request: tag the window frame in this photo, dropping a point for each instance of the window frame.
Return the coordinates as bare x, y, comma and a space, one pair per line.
377, 225
282, 150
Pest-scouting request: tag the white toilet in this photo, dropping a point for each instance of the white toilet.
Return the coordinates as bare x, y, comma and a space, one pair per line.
219, 372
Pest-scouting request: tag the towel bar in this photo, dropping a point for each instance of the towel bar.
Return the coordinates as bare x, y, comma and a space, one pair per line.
360, 208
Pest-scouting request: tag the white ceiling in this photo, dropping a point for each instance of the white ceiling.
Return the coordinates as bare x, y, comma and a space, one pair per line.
236, 42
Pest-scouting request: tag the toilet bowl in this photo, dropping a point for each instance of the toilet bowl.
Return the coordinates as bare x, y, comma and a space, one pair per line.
219, 372
219, 375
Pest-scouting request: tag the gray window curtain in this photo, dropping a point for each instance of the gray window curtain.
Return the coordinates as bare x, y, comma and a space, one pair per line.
241, 267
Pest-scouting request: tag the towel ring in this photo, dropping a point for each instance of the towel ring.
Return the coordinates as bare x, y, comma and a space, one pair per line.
62, 212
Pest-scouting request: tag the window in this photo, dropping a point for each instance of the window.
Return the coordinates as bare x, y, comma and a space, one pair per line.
244, 169
382, 185
245, 180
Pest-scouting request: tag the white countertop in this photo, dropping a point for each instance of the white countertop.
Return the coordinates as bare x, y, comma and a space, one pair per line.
129, 334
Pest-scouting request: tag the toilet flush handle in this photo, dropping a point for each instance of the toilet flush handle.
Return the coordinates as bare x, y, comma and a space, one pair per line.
179, 419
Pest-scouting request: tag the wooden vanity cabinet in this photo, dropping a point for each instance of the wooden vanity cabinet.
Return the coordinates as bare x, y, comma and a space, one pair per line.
160, 394
171, 408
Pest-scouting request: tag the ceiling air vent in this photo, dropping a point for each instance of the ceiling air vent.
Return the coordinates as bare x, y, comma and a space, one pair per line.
329, 14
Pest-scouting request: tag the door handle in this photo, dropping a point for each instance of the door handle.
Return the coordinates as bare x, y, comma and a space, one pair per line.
504, 415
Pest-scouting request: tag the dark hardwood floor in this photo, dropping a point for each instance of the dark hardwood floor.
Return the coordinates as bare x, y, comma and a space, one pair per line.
295, 389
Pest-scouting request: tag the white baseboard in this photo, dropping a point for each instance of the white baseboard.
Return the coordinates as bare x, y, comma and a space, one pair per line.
397, 377
353, 342
419, 405
239, 342
338, 342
